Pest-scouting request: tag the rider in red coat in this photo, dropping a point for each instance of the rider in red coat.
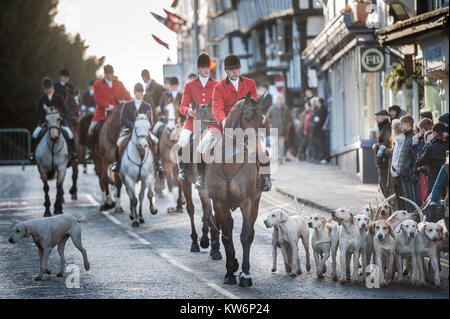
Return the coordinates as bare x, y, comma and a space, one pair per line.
201, 90
228, 92
105, 93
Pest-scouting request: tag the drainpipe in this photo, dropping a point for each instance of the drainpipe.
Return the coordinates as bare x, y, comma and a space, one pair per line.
196, 44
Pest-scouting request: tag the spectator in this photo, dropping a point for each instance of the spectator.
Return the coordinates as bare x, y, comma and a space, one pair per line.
434, 154
308, 96
418, 143
192, 76
383, 141
277, 116
302, 138
444, 119
393, 153
426, 115
423, 171
267, 97
406, 161
317, 134
396, 112
440, 187
307, 129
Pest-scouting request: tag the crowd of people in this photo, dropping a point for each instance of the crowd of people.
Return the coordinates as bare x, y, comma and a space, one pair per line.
412, 157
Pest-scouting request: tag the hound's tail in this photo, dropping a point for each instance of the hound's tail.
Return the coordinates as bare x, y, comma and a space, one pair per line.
79, 220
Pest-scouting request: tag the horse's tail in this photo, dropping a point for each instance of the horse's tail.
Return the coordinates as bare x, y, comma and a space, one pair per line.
50, 175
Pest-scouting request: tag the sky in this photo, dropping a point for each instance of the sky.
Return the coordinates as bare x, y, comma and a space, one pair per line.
121, 31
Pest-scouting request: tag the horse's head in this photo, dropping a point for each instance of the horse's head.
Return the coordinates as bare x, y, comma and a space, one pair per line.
203, 113
73, 102
53, 122
141, 132
245, 114
171, 113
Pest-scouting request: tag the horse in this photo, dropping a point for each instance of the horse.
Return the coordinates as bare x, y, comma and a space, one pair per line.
104, 155
52, 155
137, 165
168, 140
204, 115
72, 103
231, 185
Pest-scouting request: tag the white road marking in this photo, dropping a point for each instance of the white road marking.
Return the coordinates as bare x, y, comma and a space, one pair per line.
134, 235
175, 263
92, 200
222, 291
112, 218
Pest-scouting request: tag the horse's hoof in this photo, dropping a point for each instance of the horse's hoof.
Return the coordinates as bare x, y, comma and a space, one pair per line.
119, 210
293, 275
216, 255
274, 269
195, 248
299, 272
230, 279
47, 214
141, 221
74, 197
324, 270
204, 242
135, 224
235, 265
106, 206
334, 277
58, 213
60, 274
38, 278
320, 275
87, 266
48, 271
245, 282
153, 211
308, 267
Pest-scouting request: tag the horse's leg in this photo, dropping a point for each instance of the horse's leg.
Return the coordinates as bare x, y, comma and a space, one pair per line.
108, 203
47, 198
60, 190
247, 234
129, 183
73, 191
187, 189
209, 221
141, 200
226, 224
149, 182
169, 179
118, 181
180, 197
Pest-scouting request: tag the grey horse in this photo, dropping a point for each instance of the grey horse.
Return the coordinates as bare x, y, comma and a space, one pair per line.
52, 157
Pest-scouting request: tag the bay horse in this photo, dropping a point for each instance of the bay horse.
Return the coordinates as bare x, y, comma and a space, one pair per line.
167, 141
107, 134
52, 156
72, 103
137, 165
231, 185
204, 115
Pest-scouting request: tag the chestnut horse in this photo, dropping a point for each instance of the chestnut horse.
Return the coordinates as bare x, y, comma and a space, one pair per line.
168, 140
204, 115
231, 185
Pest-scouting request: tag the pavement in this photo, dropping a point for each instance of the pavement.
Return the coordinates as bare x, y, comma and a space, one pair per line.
322, 186
154, 260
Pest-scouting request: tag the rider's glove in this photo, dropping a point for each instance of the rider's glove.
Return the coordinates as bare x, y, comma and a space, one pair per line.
381, 150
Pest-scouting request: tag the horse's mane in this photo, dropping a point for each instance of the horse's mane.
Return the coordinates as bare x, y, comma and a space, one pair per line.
233, 116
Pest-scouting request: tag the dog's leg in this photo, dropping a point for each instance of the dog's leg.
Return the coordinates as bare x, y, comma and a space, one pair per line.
434, 265
399, 268
324, 260
274, 250
355, 276
421, 271
76, 239
287, 265
390, 267
44, 261
61, 246
380, 270
318, 264
334, 275
414, 270
348, 257
305, 241
296, 267
343, 260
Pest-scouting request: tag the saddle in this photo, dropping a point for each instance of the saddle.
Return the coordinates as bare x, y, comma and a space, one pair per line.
159, 132
41, 133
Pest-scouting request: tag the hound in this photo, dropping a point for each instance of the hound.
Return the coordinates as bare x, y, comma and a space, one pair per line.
47, 233
363, 222
384, 211
320, 242
384, 247
369, 211
345, 235
428, 236
405, 248
287, 231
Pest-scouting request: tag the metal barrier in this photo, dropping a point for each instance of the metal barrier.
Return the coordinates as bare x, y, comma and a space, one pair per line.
15, 146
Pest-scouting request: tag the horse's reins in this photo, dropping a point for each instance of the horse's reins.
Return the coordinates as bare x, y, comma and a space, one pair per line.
142, 159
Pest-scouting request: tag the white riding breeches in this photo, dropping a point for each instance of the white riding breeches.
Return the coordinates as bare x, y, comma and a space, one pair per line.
157, 126
185, 137
208, 142
121, 138
38, 130
91, 128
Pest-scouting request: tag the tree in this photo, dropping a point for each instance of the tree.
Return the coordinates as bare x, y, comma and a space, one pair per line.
32, 46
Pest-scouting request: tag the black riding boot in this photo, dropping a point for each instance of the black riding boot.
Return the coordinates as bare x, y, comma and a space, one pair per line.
181, 171
32, 157
200, 182
158, 163
116, 165
90, 146
71, 147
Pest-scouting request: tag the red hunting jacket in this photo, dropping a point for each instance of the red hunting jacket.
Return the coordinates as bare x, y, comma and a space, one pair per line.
225, 96
104, 97
201, 95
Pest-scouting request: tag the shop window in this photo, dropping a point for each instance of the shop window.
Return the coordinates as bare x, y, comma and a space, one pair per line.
368, 107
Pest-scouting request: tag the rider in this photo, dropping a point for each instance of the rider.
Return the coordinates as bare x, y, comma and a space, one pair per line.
201, 90
171, 93
63, 83
52, 99
153, 90
128, 117
87, 101
228, 92
105, 91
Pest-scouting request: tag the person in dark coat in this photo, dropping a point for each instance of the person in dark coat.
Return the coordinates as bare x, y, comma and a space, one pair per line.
316, 132
396, 112
63, 83
87, 100
172, 93
383, 142
52, 99
444, 118
433, 154
153, 90
267, 100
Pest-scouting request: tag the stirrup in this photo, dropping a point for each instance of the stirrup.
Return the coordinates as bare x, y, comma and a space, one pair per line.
88, 156
266, 184
182, 174
116, 167
200, 182
32, 157
159, 167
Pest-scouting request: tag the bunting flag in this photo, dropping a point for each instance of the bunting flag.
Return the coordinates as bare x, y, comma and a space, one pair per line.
169, 24
164, 44
175, 18
174, 4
